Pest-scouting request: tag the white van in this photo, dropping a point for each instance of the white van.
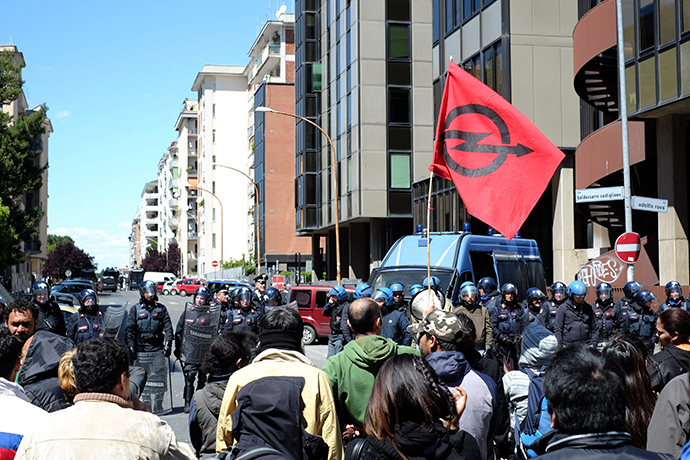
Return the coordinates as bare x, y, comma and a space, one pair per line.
159, 277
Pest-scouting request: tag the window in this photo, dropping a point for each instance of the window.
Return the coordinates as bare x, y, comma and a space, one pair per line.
646, 24
399, 41
399, 105
400, 171
667, 21
214, 136
214, 110
213, 240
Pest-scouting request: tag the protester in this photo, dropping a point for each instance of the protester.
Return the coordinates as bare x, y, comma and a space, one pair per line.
66, 376
673, 330
639, 399
21, 319
668, 427
438, 335
412, 415
20, 416
229, 352
281, 354
101, 423
586, 396
352, 372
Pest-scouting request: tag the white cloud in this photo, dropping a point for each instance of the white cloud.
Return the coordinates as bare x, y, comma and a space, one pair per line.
109, 248
62, 114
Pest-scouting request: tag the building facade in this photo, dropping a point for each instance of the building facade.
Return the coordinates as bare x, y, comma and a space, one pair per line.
150, 219
363, 74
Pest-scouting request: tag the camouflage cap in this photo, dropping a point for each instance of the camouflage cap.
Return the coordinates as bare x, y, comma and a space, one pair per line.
441, 324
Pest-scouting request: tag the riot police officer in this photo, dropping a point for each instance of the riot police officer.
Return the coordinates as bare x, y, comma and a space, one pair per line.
488, 293
548, 313
87, 323
641, 319
272, 298
234, 298
510, 319
245, 317
187, 347
575, 321
624, 305
337, 301
478, 314
674, 297
148, 328
414, 289
362, 290
223, 301
535, 302
258, 295
399, 297
49, 315
394, 323
608, 318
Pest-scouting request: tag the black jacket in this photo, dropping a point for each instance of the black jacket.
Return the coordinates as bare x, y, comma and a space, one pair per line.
50, 318
148, 327
575, 325
593, 446
335, 312
667, 364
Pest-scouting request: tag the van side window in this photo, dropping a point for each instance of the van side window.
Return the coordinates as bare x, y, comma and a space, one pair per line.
303, 298
321, 299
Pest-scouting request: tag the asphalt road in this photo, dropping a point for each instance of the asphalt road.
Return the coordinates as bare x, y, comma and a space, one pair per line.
175, 304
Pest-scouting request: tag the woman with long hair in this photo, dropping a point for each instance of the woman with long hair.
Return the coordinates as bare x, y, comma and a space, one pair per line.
639, 398
673, 329
412, 415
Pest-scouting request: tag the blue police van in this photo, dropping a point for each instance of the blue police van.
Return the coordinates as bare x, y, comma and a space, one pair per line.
460, 257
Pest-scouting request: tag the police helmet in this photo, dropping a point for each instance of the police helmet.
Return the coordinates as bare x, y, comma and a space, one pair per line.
508, 288
363, 290
434, 283
577, 288
673, 286
468, 290
272, 297
244, 295
558, 287
396, 287
88, 294
533, 294
488, 284
384, 294
205, 294
41, 287
148, 287
631, 288
234, 293
643, 296
339, 292
604, 289
415, 288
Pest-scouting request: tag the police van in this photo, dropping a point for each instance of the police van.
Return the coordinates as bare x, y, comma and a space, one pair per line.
460, 257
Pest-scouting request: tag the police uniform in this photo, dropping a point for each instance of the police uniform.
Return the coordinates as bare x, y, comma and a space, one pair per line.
242, 319
509, 322
680, 303
50, 318
575, 323
608, 320
225, 315
641, 323
623, 306
85, 325
196, 314
547, 314
148, 328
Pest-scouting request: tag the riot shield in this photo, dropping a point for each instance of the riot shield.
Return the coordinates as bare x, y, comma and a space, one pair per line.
201, 323
112, 321
157, 392
421, 300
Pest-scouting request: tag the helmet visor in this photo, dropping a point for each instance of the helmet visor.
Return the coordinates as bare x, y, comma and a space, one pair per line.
148, 289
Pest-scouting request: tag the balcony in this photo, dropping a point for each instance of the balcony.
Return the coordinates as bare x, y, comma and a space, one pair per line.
192, 256
192, 236
265, 63
192, 172
192, 153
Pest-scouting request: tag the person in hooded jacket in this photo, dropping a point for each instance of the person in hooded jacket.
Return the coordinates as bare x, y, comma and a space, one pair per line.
229, 351
673, 330
547, 315
575, 321
480, 316
87, 323
641, 319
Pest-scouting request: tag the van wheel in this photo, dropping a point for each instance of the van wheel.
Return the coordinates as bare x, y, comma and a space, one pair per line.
183, 293
308, 335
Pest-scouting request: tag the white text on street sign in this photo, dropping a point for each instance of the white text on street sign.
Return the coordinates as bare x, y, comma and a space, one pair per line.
598, 194
642, 203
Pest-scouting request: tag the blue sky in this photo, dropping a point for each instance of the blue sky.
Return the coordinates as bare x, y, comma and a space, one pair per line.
114, 75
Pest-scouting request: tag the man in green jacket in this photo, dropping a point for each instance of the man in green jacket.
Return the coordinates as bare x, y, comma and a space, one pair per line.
352, 372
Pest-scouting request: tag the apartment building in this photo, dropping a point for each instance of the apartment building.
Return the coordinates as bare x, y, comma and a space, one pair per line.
363, 73
135, 243
35, 250
168, 184
150, 218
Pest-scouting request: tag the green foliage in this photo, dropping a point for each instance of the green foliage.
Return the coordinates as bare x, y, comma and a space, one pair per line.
67, 257
56, 240
7, 234
20, 172
174, 258
249, 265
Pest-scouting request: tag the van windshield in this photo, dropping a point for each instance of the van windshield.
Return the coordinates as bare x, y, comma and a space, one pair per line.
409, 276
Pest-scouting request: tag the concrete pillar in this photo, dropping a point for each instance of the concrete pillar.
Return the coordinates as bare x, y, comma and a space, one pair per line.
344, 252
317, 261
359, 251
330, 255
672, 185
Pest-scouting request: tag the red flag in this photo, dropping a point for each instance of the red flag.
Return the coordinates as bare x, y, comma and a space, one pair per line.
499, 161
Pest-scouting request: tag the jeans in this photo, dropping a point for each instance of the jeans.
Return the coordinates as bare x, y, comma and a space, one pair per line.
335, 345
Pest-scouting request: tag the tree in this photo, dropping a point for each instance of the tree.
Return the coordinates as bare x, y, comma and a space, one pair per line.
67, 257
20, 172
6, 232
155, 261
174, 258
56, 240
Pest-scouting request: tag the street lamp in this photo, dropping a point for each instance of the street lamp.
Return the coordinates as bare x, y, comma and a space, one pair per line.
335, 181
256, 199
188, 185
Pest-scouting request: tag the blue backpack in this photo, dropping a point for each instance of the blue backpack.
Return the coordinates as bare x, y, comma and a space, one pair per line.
537, 422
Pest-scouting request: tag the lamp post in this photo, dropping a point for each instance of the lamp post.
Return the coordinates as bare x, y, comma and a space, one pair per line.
221, 219
256, 206
335, 180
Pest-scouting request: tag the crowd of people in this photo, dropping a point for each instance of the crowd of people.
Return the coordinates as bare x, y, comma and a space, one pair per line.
482, 377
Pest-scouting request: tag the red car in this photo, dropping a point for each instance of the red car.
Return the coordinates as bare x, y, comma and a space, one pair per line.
187, 286
311, 298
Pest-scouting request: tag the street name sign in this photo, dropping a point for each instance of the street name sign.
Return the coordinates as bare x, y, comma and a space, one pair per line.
642, 203
587, 195
627, 247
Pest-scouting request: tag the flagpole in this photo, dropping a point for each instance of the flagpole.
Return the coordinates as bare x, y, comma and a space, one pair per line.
428, 240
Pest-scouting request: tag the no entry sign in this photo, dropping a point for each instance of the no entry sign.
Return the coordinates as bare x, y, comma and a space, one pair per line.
214, 263
628, 247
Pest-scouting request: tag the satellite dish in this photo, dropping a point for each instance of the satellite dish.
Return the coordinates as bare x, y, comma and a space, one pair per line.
280, 11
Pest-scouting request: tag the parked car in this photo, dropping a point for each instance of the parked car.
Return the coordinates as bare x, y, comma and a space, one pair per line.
72, 287
167, 288
216, 285
187, 286
95, 285
311, 298
108, 283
